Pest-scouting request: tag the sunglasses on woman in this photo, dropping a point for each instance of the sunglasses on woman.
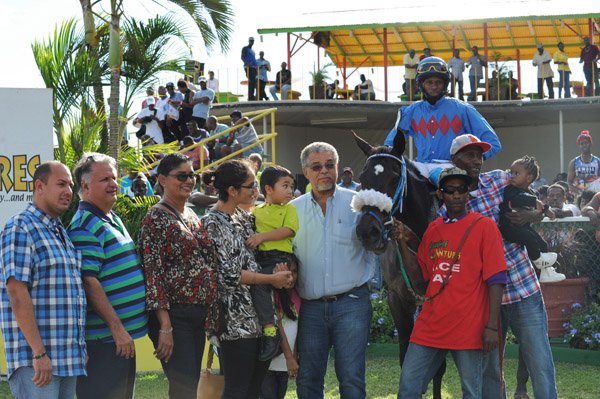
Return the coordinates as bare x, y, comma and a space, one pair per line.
182, 177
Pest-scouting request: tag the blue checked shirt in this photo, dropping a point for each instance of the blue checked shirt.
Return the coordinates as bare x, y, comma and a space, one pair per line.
522, 281
35, 249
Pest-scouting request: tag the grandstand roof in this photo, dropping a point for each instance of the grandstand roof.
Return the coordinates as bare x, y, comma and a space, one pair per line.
511, 25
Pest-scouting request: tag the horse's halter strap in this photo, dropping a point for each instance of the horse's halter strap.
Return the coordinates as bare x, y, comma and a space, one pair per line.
401, 187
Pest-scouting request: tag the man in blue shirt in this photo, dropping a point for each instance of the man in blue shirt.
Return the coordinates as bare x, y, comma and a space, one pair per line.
436, 120
250, 66
347, 181
333, 271
42, 301
264, 67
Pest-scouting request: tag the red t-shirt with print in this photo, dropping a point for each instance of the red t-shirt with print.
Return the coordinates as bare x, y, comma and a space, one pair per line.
455, 319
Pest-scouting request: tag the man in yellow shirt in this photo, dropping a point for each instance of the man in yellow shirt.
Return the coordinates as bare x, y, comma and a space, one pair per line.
561, 59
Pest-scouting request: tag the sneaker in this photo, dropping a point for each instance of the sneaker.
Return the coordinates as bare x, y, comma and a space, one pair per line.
269, 347
549, 275
546, 259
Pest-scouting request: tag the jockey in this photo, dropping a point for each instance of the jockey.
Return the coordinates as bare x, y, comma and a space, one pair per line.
436, 120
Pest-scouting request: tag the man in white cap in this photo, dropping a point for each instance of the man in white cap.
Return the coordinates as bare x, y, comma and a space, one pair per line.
522, 305
542, 61
250, 67
147, 117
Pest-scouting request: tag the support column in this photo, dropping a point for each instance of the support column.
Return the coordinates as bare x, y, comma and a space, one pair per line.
561, 140
519, 69
289, 52
385, 63
485, 54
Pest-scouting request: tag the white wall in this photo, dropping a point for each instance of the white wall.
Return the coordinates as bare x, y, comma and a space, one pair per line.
25, 142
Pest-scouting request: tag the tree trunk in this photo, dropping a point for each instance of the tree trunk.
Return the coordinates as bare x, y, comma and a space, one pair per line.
91, 39
115, 58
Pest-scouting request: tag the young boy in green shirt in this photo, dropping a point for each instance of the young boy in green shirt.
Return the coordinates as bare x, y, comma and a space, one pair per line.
276, 225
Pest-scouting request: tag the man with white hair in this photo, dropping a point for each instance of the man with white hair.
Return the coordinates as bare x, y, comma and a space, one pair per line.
334, 269
113, 282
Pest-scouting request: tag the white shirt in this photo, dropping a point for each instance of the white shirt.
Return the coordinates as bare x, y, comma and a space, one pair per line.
162, 107
213, 84
410, 73
544, 70
152, 128
457, 66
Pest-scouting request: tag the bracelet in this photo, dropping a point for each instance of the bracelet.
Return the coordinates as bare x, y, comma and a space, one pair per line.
491, 329
41, 355
169, 331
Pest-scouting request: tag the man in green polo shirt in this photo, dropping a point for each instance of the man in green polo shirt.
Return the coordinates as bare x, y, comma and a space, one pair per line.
113, 281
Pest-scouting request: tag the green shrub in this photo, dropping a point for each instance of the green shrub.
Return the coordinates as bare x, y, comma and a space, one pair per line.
583, 328
382, 324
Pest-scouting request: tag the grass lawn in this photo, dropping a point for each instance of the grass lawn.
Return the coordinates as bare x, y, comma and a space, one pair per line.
383, 372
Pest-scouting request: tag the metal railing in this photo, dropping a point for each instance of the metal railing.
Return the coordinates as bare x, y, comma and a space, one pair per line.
264, 115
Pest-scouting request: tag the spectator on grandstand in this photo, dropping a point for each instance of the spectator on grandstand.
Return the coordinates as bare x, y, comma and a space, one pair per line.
202, 101
186, 108
476, 63
214, 127
426, 53
264, 67
585, 168
561, 59
206, 197
149, 93
250, 67
457, 67
162, 111
364, 90
172, 119
244, 133
542, 193
557, 200
213, 84
148, 120
196, 153
410, 74
542, 60
125, 184
283, 83
589, 57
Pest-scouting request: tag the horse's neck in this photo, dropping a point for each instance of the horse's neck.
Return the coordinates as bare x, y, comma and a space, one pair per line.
419, 204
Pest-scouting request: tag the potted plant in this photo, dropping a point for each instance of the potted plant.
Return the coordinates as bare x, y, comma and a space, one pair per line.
318, 88
502, 85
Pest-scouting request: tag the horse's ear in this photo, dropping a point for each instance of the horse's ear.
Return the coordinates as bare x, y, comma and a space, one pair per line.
399, 143
366, 148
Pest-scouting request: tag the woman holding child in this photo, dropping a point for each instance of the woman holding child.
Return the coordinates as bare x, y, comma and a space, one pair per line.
227, 229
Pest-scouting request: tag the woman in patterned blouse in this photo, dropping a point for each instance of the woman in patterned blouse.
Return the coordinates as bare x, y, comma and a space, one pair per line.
228, 227
180, 285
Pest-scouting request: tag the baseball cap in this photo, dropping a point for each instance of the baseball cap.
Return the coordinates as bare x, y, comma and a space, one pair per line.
170, 84
468, 140
236, 113
251, 38
540, 46
347, 169
454, 172
201, 79
150, 101
585, 134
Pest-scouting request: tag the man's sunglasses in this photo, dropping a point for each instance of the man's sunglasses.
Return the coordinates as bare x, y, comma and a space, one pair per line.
318, 167
453, 189
182, 177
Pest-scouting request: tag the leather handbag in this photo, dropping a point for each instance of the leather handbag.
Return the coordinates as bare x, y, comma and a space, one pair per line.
211, 384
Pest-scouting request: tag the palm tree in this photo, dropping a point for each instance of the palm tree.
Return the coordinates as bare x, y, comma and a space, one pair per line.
67, 71
212, 17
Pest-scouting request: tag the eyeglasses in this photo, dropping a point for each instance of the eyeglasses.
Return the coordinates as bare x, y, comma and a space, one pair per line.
432, 66
184, 176
453, 189
253, 186
318, 167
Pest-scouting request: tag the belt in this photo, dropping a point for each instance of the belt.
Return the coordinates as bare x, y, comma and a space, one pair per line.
333, 298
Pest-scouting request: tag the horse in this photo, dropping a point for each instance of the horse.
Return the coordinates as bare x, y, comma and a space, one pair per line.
393, 190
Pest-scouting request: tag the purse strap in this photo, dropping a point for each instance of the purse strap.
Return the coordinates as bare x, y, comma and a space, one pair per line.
210, 356
454, 259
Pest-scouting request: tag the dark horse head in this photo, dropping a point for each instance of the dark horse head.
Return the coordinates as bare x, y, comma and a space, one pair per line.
391, 187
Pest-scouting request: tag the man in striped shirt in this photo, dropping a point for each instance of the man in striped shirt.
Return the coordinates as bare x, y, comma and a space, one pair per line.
42, 302
113, 281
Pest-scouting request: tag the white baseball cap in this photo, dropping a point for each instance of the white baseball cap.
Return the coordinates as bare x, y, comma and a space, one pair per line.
468, 140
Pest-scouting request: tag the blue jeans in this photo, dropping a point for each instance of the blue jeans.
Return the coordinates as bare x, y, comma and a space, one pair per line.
564, 82
473, 82
285, 89
22, 387
421, 360
529, 322
343, 325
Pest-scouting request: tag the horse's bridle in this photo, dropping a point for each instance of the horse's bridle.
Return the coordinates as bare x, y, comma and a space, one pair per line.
397, 200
